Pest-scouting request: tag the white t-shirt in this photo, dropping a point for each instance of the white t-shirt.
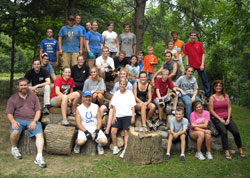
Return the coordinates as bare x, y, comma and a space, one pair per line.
123, 103
110, 40
89, 116
101, 62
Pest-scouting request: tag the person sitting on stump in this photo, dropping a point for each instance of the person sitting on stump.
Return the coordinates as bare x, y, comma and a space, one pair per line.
23, 111
40, 81
123, 103
178, 133
63, 94
89, 123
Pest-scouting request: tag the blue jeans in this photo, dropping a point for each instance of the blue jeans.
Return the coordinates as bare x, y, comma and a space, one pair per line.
204, 79
187, 99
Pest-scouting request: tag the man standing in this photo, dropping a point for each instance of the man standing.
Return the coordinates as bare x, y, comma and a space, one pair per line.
127, 41
195, 57
50, 46
178, 45
23, 111
40, 81
46, 65
89, 123
70, 42
77, 23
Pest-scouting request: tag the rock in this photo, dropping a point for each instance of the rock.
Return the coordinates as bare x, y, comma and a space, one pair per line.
163, 134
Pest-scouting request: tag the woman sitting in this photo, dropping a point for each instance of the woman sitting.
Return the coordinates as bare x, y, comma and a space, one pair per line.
133, 70
143, 96
198, 130
96, 85
62, 94
221, 110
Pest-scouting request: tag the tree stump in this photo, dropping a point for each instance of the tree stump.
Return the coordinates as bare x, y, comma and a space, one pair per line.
89, 148
144, 148
27, 145
59, 139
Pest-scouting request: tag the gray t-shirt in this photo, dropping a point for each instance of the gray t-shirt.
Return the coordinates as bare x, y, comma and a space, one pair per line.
127, 40
93, 86
49, 68
187, 85
178, 126
117, 87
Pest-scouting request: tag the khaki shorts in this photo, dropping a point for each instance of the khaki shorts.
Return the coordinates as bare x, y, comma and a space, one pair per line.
69, 59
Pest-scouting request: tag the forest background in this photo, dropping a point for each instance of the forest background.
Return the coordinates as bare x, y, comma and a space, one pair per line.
223, 27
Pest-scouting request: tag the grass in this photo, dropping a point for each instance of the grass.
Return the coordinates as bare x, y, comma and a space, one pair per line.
88, 166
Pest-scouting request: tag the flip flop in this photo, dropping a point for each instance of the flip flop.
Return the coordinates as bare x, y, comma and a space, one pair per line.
228, 157
242, 155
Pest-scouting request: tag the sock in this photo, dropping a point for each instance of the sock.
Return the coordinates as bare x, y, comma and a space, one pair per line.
39, 155
182, 155
167, 153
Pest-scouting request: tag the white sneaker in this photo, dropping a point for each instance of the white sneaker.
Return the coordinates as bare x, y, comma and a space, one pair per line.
77, 149
40, 162
200, 156
122, 154
209, 155
100, 149
15, 152
115, 150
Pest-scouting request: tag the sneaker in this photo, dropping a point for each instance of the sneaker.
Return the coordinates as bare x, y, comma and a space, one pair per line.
115, 150
149, 123
77, 149
167, 157
200, 156
15, 152
122, 154
209, 155
182, 158
100, 149
173, 112
40, 162
65, 122
158, 123
45, 110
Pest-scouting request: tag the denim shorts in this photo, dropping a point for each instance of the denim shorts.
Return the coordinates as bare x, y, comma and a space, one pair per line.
53, 101
24, 125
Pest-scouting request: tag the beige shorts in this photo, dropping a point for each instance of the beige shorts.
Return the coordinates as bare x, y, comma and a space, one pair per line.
81, 135
69, 59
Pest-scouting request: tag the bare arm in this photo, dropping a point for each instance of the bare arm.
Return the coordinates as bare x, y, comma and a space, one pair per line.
175, 67
60, 45
100, 91
158, 93
135, 93
211, 110
99, 119
32, 125
149, 94
41, 52
229, 108
81, 44
134, 48
87, 46
156, 73
117, 43
78, 121
202, 62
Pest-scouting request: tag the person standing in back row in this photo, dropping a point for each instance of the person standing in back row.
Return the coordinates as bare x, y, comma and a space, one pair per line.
127, 42
195, 57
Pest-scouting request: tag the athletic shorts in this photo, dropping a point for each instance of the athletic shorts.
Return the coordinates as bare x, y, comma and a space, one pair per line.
53, 101
165, 98
81, 135
122, 123
24, 125
178, 139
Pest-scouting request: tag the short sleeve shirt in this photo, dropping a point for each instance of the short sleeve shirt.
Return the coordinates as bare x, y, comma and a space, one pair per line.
37, 78
95, 41
110, 40
146, 63
64, 86
50, 47
120, 64
49, 68
101, 62
80, 74
23, 109
199, 119
127, 41
187, 85
162, 86
178, 126
93, 86
117, 87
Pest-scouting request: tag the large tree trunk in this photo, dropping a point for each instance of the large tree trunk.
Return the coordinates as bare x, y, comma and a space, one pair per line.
139, 23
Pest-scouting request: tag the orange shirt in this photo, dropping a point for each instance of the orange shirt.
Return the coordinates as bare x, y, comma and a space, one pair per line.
146, 63
178, 46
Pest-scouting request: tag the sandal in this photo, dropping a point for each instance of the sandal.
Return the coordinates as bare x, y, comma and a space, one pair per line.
242, 155
228, 157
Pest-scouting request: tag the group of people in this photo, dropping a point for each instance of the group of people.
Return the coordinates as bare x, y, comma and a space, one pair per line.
89, 59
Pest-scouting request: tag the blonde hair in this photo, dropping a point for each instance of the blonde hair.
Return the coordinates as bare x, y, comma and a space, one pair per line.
150, 47
164, 70
124, 70
123, 80
97, 74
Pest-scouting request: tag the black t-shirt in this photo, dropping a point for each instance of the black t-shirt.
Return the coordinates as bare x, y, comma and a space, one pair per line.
37, 78
120, 64
80, 74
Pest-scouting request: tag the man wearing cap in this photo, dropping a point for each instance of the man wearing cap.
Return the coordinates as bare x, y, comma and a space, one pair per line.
70, 42
89, 123
46, 65
23, 111
49, 45
40, 80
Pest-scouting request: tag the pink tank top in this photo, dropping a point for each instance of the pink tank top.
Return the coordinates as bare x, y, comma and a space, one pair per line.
221, 107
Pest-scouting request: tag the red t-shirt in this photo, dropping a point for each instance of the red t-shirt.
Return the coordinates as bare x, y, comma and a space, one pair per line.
163, 86
64, 86
194, 51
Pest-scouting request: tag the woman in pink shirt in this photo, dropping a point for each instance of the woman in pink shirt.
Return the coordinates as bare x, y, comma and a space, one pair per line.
221, 110
198, 130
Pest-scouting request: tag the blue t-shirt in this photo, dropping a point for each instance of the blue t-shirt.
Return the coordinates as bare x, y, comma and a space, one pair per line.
49, 68
140, 65
50, 47
70, 39
84, 34
95, 41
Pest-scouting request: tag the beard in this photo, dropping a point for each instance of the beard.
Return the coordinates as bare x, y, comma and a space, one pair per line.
23, 91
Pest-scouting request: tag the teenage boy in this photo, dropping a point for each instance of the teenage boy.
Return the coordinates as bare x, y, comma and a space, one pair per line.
149, 61
195, 57
50, 46
46, 65
178, 133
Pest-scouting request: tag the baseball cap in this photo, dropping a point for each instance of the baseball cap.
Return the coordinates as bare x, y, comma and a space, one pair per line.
45, 54
71, 18
87, 93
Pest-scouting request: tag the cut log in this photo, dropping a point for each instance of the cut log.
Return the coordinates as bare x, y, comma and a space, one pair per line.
89, 148
145, 149
27, 145
59, 139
